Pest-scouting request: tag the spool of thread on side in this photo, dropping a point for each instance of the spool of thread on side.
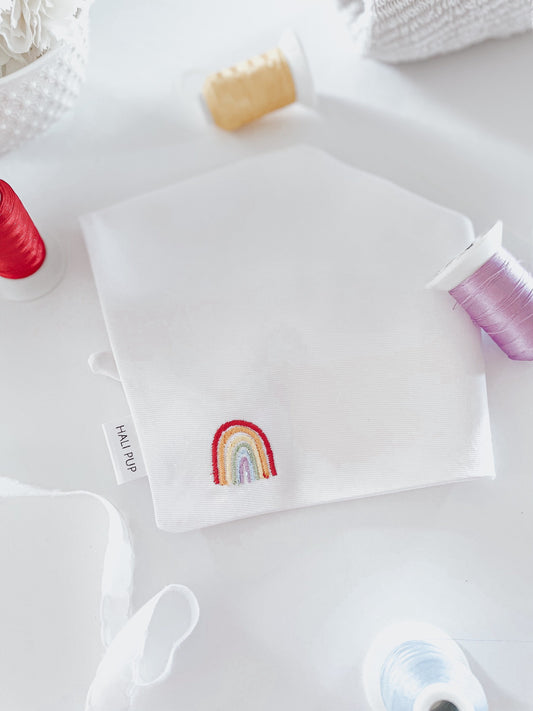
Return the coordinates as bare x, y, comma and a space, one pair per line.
417, 667
29, 268
495, 290
236, 96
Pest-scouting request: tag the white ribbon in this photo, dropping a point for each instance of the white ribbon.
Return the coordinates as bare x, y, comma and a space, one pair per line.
139, 650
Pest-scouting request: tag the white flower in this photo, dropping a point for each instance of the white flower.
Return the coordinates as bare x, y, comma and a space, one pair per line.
30, 27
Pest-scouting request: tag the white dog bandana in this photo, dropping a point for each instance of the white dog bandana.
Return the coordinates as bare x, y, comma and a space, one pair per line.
276, 344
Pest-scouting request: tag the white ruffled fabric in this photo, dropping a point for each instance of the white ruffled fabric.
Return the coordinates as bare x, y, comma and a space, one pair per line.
405, 30
30, 27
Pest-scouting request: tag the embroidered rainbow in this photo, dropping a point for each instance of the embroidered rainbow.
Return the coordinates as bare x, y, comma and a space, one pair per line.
241, 454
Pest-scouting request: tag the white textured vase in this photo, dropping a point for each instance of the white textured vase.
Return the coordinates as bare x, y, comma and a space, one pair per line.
34, 97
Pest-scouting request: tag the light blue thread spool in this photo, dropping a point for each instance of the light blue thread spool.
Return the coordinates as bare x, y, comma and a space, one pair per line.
415, 667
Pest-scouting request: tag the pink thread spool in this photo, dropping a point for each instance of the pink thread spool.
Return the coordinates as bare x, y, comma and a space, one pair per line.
496, 292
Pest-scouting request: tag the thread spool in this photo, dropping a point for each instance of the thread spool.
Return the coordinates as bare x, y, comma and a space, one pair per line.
29, 268
234, 97
417, 667
495, 290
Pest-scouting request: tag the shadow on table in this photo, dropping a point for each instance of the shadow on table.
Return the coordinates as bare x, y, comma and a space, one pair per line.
481, 180
487, 85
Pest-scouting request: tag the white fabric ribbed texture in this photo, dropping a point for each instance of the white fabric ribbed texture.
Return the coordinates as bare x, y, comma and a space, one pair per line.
287, 290
405, 30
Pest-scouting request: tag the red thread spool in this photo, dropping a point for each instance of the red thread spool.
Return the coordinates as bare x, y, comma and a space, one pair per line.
22, 250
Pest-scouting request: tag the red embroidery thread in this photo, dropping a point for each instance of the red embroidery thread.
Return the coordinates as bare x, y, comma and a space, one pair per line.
22, 250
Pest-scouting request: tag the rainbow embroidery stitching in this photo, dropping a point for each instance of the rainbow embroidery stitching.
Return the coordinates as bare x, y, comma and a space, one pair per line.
241, 454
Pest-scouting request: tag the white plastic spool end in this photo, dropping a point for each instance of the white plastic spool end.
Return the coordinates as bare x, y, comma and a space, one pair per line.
293, 52
387, 642
469, 261
46, 278
442, 695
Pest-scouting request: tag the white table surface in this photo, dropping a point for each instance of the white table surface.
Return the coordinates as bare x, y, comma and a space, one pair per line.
289, 602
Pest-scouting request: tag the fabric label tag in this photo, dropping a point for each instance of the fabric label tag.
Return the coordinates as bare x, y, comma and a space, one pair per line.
124, 449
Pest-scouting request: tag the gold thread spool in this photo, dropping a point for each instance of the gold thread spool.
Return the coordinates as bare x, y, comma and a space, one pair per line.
250, 89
